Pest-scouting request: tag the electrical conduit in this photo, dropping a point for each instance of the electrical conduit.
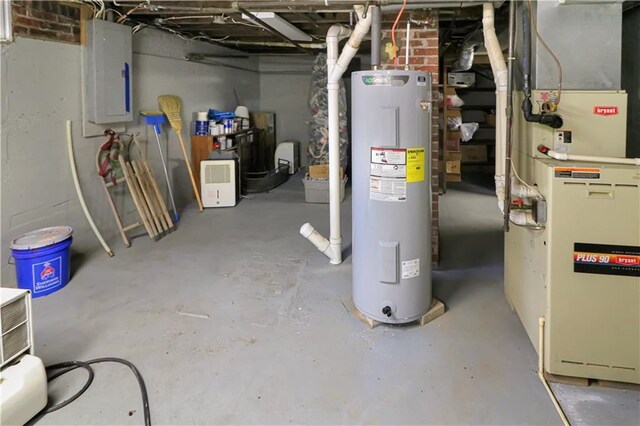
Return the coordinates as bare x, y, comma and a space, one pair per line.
336, 66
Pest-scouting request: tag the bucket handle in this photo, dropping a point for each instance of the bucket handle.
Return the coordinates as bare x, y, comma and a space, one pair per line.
9, 260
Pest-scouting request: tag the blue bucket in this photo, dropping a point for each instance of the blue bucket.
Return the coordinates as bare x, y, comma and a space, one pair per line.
43, 260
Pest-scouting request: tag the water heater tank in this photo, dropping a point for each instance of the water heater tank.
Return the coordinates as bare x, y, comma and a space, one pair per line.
391, 158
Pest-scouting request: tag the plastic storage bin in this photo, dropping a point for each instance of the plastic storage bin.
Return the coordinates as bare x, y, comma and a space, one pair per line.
317, 190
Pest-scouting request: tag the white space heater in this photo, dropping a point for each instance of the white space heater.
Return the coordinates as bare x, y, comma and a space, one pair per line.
220, 182
23, 380
288, 151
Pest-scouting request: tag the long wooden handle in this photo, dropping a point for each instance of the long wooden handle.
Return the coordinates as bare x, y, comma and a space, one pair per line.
193, 182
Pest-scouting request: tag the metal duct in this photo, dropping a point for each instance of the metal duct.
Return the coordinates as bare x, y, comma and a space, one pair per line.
467, 51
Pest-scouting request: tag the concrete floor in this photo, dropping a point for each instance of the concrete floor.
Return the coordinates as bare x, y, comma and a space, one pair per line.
272, 343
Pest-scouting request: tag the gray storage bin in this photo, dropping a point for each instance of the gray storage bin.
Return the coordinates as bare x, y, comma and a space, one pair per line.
317, 190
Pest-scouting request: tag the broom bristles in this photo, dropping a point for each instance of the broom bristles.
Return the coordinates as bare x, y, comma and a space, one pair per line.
170, 105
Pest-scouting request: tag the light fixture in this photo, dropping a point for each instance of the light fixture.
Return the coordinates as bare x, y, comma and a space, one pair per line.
280, 25
5, 21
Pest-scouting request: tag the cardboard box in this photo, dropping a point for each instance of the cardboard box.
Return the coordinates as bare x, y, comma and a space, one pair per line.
454, 112
452, 161
321, 171
452, 167
490, 120
454, 134
452, 144
453, 177
453, 156
474, 154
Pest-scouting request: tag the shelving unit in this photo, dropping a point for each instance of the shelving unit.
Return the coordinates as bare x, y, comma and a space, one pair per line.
248, 143
477, 154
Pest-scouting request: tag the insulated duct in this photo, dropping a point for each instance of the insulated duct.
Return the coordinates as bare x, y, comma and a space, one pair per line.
376, 35
467, 52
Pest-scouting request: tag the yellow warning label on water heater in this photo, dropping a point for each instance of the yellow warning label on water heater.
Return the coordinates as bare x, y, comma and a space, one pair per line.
415, 164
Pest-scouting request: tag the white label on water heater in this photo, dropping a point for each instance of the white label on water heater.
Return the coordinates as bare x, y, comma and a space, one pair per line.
388, 170
388, 189
410, 268
388, 156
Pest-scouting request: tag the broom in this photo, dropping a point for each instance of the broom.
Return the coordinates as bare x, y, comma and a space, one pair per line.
170, 105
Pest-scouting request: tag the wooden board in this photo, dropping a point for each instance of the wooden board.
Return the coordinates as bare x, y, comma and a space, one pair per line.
436, 309
144, 189
137, 198
158, 194
201, 146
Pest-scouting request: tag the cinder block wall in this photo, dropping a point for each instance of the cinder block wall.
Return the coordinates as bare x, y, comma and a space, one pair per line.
423, 56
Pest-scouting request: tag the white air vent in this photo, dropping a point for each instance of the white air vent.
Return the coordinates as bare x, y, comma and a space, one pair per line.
15, 323
217, 173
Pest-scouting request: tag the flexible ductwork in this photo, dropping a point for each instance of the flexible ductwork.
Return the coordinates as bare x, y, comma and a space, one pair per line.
336, 66
467, 52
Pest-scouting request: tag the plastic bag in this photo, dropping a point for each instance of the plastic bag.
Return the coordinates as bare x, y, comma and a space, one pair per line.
318, 148
467, 130
220, 115
453, 123
454, 101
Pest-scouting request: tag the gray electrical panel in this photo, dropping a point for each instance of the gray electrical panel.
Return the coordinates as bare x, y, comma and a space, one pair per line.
107, 64
391, 157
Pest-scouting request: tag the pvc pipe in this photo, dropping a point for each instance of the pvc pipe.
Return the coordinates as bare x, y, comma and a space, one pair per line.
501, 74
321, 243
76, 183
587, 158
335, 33
556, 404
336, 66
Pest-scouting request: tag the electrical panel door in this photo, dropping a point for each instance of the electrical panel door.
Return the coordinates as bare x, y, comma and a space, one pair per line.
107, 59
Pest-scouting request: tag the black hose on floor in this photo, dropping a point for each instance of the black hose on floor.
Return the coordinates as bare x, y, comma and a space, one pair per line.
56, 370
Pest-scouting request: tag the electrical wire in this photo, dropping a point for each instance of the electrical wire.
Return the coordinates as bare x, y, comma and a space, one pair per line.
393, 34
112, 10
546, 47
515, 173
143, 5
56, 370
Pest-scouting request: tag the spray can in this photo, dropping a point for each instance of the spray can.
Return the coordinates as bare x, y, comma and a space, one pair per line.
213, 127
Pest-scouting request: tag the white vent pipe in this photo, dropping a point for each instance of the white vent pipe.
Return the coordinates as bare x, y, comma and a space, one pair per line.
500, 72
588, 158
336, 66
